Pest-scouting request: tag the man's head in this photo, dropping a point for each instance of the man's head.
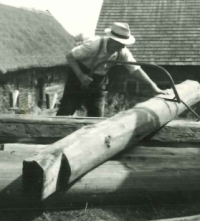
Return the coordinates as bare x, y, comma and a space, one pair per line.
120, 32
114, 46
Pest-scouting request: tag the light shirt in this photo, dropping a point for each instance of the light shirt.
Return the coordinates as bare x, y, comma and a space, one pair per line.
86, 52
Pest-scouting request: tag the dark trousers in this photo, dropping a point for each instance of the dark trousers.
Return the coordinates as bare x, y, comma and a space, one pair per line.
93, 97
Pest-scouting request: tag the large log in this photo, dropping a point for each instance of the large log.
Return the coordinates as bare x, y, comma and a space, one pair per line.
90, 146
22, 148
39, 129
138, 172
182, 131
47, 130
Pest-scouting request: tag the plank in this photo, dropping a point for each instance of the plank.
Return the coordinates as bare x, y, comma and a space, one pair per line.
22, 148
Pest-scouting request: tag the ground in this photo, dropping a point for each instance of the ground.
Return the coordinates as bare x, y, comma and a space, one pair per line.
111, 213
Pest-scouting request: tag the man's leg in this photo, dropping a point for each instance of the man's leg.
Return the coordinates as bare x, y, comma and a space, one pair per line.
69, 104
72, 96
95, 104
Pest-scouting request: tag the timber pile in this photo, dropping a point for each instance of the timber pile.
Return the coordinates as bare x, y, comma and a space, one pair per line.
135, 173
143, 168
90, 146
46, 130
39, 129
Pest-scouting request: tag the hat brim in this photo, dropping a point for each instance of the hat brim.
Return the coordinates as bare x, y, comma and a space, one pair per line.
129, 41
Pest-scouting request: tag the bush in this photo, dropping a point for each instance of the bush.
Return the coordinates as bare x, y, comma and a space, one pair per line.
115, 103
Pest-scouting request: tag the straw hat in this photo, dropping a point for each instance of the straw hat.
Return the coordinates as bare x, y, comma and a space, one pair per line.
121, 33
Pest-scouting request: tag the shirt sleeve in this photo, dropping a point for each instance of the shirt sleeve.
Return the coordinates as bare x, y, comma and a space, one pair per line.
126, 55
86, 50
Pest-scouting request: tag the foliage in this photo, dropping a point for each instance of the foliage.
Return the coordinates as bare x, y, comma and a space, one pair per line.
104, 213
115, 103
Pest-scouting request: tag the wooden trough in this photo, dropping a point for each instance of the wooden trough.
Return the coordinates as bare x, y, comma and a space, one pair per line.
165, 161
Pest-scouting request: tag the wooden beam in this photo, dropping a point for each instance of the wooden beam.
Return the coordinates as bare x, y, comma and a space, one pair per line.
139, 171
21, 148
186, 218
90, 146
39, 129
179, 131
47, 130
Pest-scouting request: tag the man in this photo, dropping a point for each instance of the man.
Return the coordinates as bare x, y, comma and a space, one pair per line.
81, 86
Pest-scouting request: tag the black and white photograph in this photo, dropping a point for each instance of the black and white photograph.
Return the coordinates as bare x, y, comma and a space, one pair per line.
99, 110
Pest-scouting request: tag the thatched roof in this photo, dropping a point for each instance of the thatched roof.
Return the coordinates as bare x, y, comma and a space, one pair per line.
30, 39
167, 32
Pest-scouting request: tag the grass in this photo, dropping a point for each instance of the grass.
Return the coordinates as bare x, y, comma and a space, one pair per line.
112, 213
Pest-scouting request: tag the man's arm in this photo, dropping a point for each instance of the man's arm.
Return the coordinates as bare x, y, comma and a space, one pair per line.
140, 75
83, 78
137, 73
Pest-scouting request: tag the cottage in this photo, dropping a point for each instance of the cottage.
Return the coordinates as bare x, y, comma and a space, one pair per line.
167, 33
33, 62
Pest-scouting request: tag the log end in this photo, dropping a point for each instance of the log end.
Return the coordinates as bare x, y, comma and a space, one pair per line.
32, 180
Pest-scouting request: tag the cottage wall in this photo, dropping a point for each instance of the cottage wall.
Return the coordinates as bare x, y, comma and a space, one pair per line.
38, 86
138, 91
178, 73
6, 86
119, 74
33, 85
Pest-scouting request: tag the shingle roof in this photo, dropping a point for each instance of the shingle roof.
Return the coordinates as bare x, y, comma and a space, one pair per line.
31, 39
167, 32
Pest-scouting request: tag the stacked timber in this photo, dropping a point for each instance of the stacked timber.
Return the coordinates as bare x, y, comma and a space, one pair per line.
66, 160
39, 129
32, 129
166, 163
139, 173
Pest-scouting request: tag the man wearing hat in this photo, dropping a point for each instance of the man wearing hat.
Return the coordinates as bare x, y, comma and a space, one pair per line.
80, 86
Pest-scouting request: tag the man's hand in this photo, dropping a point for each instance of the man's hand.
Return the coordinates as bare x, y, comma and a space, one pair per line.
158, 91
85, 79
140, 75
